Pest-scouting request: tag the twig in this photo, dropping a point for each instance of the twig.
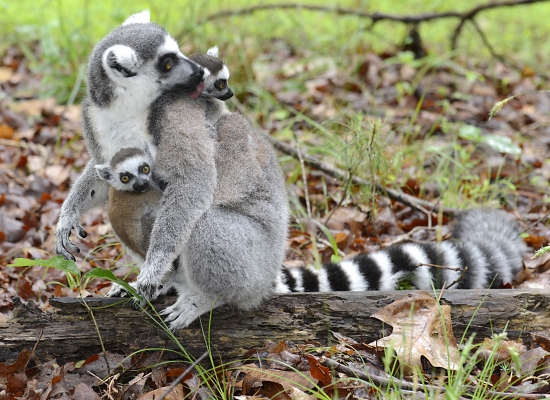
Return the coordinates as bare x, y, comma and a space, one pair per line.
304, 176
459, 278
469, 15
418, 204
407, 237
179, 378
98, 333
379, 380
33, 352
394, 382
439, 266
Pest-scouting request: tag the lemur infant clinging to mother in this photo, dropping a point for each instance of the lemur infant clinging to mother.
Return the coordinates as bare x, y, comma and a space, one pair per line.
132, 216
135, 195
127, 71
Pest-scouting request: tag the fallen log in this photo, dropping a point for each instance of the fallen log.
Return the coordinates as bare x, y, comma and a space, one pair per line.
69, 333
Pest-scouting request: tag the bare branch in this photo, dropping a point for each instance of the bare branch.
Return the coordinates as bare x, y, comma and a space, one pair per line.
416, 203
375, 17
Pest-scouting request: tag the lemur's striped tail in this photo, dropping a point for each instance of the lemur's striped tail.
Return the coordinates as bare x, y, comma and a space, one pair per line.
484, 240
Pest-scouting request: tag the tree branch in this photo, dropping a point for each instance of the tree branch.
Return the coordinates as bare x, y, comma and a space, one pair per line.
411, 201
377, 16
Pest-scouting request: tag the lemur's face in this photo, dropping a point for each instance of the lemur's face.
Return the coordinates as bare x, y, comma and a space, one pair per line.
216, 74
129, 171
139, 60
217, 85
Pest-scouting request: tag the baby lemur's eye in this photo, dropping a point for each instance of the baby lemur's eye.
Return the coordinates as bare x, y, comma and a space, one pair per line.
124, 178
168, 65
145, 169
220, 84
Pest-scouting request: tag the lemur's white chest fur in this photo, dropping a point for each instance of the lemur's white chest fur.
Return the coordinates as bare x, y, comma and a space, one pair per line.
124, 123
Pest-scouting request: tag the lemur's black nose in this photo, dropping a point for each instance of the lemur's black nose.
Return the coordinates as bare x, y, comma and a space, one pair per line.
141, 186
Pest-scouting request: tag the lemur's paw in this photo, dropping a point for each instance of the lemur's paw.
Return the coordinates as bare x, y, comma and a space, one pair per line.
187, 308
63, 245
148, 286
119, 291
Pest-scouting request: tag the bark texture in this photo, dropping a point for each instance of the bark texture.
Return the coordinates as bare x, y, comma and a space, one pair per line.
69, 333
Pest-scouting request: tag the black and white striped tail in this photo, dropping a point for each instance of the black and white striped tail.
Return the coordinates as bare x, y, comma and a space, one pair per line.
484, 240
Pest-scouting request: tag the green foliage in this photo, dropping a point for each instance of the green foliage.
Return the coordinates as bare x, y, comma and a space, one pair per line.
106, 274
65, 31
68, 266
499, 143
542, 251
72, 273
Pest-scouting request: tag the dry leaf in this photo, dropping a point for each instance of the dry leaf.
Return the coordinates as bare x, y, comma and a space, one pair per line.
6, 131
177, 393
421, 327
318, 371
57, 174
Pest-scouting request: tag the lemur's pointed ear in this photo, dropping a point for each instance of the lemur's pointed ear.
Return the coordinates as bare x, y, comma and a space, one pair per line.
120, 61
140, 18
104, 172
213, 51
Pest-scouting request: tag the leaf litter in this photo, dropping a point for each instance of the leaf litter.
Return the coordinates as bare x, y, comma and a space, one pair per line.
41, 154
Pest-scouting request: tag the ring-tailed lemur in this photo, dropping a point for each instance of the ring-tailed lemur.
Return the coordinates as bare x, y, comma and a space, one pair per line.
131, 216
127, 70
216, 74
133, 195
223, 209
486, 241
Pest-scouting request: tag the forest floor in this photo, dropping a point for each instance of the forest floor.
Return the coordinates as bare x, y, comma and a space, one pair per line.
419, 126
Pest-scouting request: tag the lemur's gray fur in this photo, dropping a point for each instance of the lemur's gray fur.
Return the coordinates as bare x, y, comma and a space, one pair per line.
486, 241
223, 212
127, 70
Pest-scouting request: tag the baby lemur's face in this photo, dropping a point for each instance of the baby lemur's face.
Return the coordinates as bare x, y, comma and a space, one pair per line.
216, 74
129, 170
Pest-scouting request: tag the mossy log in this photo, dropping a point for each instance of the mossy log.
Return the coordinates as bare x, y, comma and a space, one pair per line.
69, 333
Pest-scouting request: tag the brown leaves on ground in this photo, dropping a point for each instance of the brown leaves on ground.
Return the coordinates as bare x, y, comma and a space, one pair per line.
421, 328
287, 370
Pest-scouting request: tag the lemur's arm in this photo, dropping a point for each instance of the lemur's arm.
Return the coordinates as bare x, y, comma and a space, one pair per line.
186, 162
88, 192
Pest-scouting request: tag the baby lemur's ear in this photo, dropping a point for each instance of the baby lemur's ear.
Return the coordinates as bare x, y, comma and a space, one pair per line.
140, 18
104, 172
213, 51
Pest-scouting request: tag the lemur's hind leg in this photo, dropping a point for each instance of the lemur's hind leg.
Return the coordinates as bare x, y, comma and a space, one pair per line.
214, 271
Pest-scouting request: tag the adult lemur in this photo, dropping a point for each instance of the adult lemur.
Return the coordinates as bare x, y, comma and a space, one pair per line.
223, 209
130, 68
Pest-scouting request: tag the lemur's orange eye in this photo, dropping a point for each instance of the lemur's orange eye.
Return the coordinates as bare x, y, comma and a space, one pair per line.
168, 65
124, 178
221, 85
145, 169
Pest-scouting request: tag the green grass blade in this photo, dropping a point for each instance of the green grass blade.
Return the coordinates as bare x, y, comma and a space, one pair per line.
57, 262
106, 274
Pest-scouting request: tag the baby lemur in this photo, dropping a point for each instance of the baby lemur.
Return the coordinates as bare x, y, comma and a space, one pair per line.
133, 198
